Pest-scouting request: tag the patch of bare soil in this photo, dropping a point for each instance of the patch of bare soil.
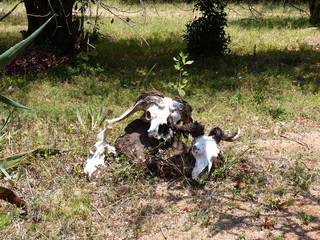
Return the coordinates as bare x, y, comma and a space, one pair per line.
33, 61
279, 204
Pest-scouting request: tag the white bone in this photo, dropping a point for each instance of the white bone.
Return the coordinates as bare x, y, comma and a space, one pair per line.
157, 109
98, 152
203, 149
158, 115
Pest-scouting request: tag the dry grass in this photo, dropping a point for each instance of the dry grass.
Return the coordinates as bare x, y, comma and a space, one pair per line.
272, 171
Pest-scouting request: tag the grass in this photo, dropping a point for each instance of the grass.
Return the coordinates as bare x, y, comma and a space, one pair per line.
268, 92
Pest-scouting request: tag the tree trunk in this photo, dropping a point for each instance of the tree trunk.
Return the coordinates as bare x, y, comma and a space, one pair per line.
62, 31
314, 6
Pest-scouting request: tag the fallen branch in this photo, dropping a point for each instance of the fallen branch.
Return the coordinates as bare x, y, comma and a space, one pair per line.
11, 11
300, 143
126, 21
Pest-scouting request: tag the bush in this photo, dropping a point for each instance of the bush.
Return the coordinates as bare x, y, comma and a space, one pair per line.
205, 36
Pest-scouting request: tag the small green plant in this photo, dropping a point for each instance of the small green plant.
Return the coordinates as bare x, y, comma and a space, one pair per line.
306, 219
279, 238
278, 113
241, 236
300, 177
276, 204
182, 81
94, 123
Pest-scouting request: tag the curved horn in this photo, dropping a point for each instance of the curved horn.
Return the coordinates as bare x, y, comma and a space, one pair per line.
142, 102
219, 135
185, 110
196, 129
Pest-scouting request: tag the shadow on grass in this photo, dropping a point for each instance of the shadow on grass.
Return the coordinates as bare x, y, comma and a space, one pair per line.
130, 64
271, 23
137, 65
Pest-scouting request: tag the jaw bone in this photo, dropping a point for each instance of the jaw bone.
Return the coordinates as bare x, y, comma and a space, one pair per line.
98, 152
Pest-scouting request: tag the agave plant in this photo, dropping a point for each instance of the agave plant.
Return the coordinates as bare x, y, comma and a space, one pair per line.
5, 59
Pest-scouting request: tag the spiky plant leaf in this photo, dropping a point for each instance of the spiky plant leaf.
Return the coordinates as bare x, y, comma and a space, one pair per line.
80, 118
6, 122
100, 115
10, 102
15, 160
7, 56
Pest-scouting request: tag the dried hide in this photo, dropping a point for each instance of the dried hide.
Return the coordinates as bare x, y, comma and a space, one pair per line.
170, 159
136, 143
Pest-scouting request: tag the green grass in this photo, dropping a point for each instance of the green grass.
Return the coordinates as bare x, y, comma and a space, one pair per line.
258, 91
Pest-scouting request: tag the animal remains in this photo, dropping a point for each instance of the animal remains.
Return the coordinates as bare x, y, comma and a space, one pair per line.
155, 132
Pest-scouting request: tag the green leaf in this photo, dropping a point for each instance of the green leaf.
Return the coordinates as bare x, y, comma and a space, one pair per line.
90, 116
19, 173
99, 117
10, 54
182, 93
184, 81
189, 62
5, 172
185, 73
6, 122
89, 111
15, 160
79, 118
10, 102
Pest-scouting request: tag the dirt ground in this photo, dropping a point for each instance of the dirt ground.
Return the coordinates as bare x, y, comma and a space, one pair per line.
214, 213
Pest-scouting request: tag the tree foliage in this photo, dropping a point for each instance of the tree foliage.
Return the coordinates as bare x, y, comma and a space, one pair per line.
205, 36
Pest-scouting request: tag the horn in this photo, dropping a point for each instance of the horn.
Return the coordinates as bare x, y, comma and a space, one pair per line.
185, 111
196, 129
142, 102
219, 135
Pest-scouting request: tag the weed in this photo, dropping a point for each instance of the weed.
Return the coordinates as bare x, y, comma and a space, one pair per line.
306, 219
278, 113
182, 81
279, 238
258, 210
300, 177
91, 121
241, 236
276, 203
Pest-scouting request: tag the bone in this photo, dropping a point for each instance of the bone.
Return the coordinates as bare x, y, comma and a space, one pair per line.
205, 148
157, 109
142, 103
98, 152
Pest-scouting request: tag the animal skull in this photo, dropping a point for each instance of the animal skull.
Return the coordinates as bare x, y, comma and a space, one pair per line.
157, 109
205, 148
98, 152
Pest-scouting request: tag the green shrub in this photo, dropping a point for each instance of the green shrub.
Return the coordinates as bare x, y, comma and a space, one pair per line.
205, 36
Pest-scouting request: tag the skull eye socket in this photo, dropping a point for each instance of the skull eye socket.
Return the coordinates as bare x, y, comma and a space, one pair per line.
148, 115
163, 129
